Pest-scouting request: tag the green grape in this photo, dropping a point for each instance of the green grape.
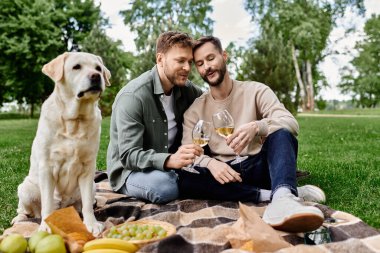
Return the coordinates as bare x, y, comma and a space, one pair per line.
132, 232
137, 232
161, 233
126, 238
149, 235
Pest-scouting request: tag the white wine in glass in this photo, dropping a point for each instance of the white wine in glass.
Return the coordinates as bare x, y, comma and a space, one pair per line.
224, 125
201, 141
201, 136
224, 131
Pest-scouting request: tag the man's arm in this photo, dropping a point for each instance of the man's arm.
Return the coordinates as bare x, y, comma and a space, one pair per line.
130, 129
274, 114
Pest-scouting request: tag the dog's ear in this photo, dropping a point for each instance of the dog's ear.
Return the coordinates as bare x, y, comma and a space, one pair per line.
106, 72
54, 69
106, 75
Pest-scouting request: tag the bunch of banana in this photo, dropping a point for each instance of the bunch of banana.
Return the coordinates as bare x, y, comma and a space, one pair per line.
109, 245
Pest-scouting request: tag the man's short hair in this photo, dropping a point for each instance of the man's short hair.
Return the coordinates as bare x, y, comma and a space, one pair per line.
169, 39
203, 40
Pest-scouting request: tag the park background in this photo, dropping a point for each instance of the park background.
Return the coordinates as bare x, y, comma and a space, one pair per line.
321, 57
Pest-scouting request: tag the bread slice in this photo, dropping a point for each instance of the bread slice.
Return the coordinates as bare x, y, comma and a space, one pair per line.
67, 223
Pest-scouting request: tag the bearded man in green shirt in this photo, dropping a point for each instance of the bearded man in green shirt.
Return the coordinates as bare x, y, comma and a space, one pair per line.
146, 125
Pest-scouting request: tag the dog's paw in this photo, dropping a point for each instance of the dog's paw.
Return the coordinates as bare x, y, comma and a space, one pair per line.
44, 227
96, 228
19, 218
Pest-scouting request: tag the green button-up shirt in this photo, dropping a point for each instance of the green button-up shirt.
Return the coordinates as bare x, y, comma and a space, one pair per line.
139, 127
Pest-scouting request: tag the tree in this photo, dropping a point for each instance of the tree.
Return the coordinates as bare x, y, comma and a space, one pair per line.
32, 33
305, 26
364, 80
115, 59
149, 18
270, 63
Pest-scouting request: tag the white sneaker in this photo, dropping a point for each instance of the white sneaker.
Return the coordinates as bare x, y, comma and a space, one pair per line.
311, 193
288, 214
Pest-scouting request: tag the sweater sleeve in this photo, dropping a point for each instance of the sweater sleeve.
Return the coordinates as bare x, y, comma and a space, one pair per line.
272, 114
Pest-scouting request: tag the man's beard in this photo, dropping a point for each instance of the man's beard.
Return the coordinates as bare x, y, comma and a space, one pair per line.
221, 72
171, 78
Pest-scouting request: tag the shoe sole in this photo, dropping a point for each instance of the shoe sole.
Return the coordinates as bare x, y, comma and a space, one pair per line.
298, 223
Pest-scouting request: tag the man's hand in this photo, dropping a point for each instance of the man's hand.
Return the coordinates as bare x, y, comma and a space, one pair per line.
242, 136
222, 172
184, 156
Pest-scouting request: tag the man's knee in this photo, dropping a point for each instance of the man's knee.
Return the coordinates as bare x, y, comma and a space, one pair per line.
165, 189
283, 132
282, 135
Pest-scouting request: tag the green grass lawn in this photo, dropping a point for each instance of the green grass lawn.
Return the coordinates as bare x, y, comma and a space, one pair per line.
342, 155
355, 111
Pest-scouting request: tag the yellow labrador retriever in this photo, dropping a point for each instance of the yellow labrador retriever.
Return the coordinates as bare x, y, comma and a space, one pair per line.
63, 157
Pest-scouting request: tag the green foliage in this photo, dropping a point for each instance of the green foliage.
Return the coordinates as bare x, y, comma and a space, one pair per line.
149, 18
27, 36
364, 81
33, 32
270, 63
77, 19
115, 59
321, 104
304, 25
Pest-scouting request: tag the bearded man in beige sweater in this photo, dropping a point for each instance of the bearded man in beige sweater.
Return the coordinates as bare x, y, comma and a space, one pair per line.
265, 132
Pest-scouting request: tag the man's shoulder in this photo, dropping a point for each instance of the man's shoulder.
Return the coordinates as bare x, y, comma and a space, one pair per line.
201, 99
251, 85
140, 83
138, 88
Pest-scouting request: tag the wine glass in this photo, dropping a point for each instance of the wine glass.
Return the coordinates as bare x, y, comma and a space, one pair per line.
224, 126
201, 136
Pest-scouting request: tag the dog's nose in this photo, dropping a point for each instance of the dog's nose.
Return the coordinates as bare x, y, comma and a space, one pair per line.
95, 79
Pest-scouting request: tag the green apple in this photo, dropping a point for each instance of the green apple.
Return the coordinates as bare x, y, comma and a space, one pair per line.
35, 239
13, 243
51, 244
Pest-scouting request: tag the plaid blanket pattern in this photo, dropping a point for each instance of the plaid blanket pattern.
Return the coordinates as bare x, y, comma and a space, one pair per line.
202, 225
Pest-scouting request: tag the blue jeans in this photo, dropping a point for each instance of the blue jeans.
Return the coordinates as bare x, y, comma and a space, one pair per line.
153, 185
273, 167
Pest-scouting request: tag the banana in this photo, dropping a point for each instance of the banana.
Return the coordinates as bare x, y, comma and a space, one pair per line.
105, 251
110, 243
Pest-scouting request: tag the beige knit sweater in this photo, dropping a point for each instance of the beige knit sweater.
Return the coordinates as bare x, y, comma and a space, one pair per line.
248, 101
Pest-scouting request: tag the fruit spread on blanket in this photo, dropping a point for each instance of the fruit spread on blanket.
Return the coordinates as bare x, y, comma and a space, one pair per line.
39, 242
69, 234
137, 232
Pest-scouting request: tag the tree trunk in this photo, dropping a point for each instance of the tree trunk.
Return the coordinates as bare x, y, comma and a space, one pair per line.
310, 88
299, 80
31, 110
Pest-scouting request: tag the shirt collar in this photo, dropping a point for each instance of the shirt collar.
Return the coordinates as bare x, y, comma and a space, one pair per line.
157, 86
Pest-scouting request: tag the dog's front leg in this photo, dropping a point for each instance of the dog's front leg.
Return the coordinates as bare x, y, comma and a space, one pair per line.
47, 186
86, 185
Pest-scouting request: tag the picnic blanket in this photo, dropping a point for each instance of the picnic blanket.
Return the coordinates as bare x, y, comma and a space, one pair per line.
202, 225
